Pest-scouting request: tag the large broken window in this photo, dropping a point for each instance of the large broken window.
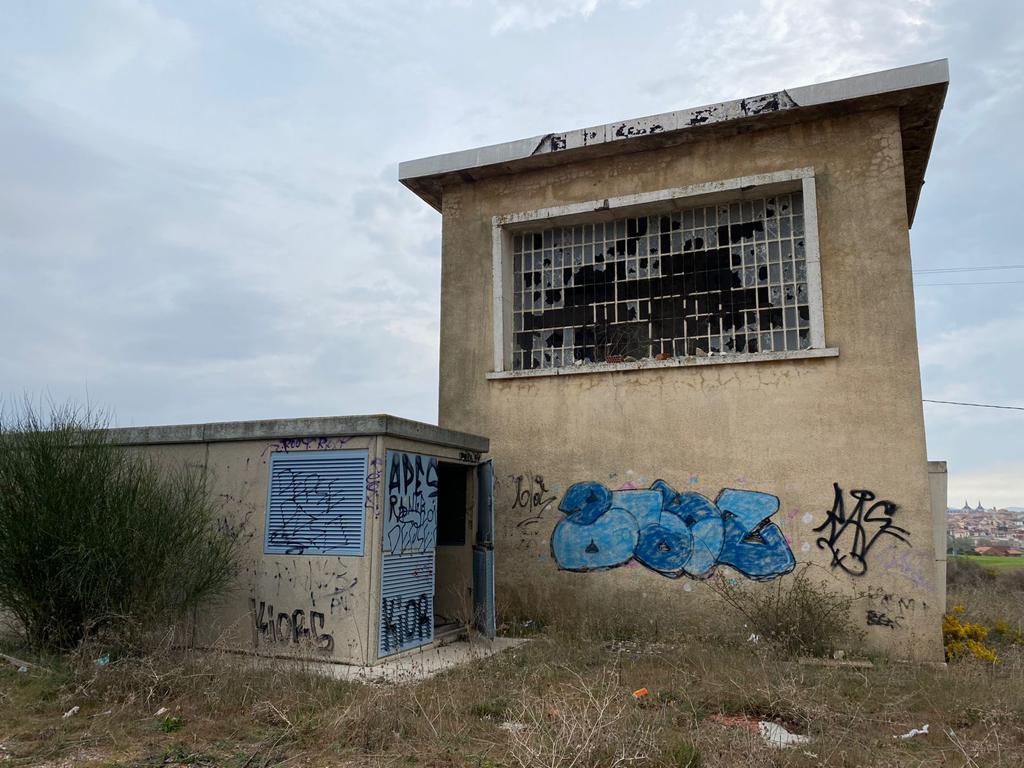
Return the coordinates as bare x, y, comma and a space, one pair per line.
729, 278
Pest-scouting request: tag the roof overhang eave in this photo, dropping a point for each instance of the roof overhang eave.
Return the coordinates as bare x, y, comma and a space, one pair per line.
917, 92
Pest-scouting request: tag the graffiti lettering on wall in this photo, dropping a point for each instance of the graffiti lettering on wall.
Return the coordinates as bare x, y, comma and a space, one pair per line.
290, 627
850, 537
325, 580
532, 497
879, 619
471, 456
889, 609
314, 505
406, 621
672, 533
410, 522
305, 444
373, 475
891, 602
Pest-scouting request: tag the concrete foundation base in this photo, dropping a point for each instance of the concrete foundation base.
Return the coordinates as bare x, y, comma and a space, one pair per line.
421, 665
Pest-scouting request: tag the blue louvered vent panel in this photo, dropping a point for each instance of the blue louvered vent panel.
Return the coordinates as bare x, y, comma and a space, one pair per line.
406, 602
316, 503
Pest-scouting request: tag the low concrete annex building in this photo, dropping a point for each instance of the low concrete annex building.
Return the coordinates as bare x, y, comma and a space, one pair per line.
362, 537
690, 339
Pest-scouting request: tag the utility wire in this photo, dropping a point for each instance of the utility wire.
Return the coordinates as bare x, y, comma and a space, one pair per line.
993, 282
937, 270
976, 405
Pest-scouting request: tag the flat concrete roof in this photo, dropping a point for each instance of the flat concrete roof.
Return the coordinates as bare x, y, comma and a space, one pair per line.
917, 91
277, 429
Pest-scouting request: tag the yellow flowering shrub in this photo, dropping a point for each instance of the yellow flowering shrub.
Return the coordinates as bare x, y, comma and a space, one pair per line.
963, 638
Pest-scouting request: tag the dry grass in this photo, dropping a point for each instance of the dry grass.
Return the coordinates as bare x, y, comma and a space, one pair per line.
564, 699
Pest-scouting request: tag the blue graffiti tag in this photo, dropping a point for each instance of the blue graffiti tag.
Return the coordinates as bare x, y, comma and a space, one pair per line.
673, 533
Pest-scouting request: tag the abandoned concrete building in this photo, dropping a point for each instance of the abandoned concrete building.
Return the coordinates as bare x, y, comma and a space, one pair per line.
673, 349
690, 340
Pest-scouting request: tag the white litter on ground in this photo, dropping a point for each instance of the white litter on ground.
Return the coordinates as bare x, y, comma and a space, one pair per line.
70, 712
779, 737
922, 731
512, 726
160, 711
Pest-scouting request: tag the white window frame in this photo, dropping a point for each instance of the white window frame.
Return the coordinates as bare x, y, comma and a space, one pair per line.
504, 228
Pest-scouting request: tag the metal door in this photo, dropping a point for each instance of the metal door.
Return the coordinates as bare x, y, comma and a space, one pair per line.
408, 543
483, 551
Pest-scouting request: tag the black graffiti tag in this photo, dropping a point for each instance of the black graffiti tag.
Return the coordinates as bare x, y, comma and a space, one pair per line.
532, 496
850, 537
309, 518
290, 627
411, 519
406, 620
879, 619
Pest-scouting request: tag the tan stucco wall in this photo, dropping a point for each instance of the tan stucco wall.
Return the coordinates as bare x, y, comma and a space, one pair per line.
789, 428
336, 588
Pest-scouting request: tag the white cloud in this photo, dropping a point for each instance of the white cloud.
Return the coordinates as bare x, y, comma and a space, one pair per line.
537, 14
963, 349
780, 43
200, 218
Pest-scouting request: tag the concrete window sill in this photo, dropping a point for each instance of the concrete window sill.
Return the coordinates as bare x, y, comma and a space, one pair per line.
684, 362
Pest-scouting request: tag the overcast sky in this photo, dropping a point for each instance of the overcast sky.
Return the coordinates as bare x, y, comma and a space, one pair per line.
200, 218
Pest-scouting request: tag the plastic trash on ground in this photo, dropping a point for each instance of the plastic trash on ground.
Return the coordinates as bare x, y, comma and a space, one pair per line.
779, 737
70, 712
922, 731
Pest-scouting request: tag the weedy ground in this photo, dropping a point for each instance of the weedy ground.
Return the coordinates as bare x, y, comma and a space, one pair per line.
563, 699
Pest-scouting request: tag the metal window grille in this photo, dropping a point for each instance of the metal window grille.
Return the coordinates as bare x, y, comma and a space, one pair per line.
715, 279
316, 503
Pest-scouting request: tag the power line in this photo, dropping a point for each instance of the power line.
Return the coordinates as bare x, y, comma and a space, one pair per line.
994, 282
936, 270
976, 405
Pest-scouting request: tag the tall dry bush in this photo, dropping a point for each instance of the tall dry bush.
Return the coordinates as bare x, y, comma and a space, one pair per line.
589, 723
95, 537
796, 614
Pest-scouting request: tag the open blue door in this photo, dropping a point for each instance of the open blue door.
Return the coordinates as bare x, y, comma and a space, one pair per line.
483, 551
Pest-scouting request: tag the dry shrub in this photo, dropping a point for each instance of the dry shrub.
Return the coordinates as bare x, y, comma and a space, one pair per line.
961, 572
795, 615
577, 725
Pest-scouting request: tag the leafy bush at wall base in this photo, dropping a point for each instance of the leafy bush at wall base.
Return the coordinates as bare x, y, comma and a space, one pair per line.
96, 537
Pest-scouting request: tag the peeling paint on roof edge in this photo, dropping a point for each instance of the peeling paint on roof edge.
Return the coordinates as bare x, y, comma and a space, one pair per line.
917, 90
